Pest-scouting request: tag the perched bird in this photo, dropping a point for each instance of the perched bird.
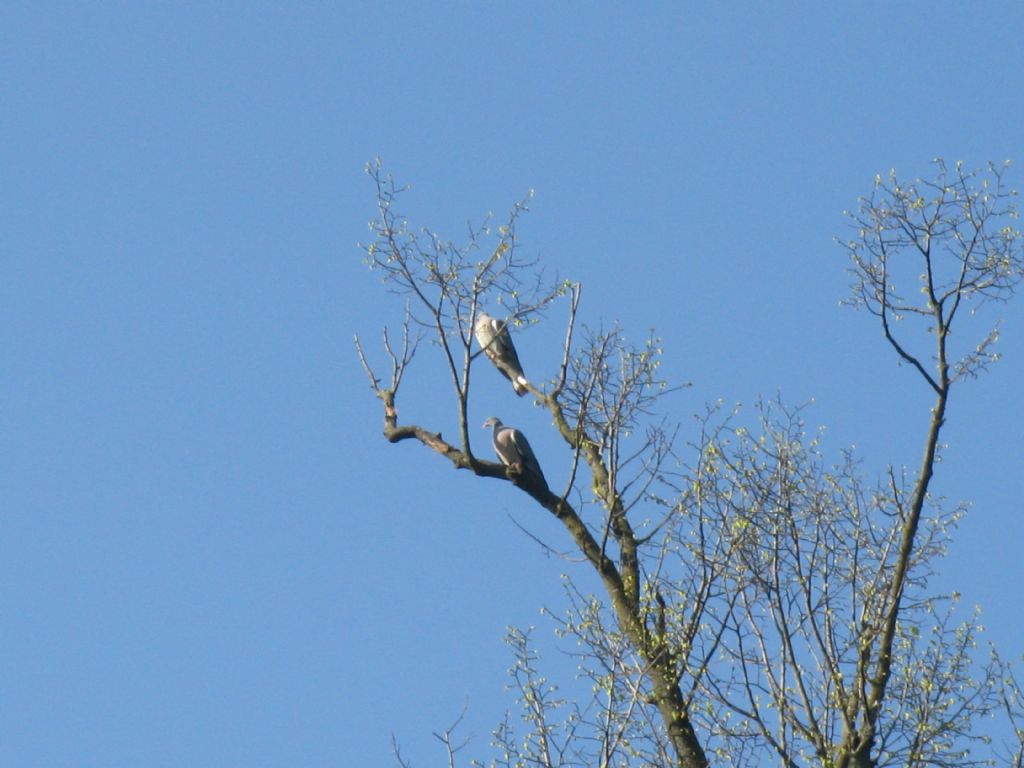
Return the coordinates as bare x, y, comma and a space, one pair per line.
493, 337
514, 451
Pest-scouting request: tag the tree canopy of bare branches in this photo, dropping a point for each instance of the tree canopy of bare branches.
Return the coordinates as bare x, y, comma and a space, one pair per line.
760, 602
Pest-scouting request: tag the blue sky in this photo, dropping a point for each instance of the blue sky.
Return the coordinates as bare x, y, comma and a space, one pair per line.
209, 556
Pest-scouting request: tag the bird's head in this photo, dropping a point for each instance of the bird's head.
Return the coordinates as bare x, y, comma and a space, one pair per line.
493, 421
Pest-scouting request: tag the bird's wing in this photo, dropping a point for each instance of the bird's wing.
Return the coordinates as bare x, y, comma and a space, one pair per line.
493, 337
504, 349
527, 457
502, 352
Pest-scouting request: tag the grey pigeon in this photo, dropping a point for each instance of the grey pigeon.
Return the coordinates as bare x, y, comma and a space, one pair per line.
493, 337
514, 451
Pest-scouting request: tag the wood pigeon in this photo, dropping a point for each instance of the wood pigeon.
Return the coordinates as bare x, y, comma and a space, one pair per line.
493, 337
514, 451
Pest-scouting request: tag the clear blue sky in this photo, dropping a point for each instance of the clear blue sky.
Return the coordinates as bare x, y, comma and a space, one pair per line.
208, 555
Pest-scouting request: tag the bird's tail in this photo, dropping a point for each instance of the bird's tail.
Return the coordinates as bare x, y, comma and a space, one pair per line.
519, 384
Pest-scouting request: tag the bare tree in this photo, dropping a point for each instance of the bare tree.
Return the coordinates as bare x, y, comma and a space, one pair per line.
1011, 697
957, 231
759, 603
